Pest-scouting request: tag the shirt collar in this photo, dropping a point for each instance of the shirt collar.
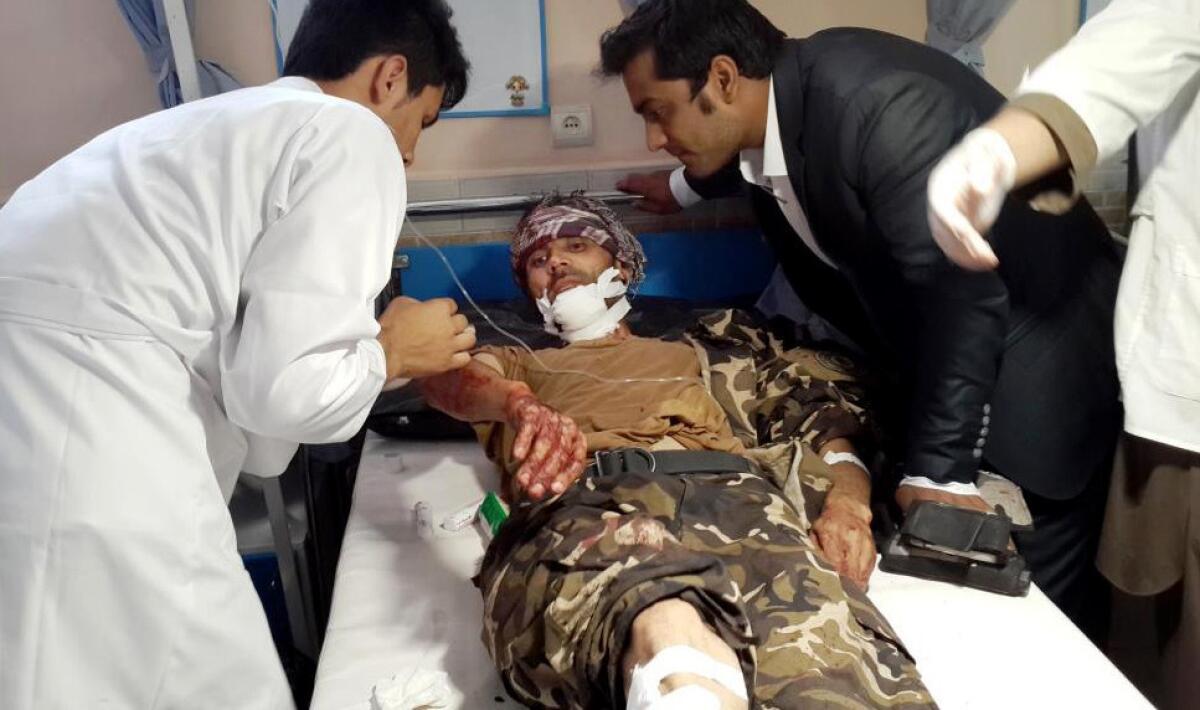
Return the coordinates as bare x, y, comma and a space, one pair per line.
299, 83
758, 164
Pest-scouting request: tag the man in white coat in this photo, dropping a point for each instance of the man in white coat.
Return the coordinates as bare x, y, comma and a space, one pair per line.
177, 297
1134, 67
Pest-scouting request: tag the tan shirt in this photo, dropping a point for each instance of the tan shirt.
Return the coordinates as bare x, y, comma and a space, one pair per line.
615, 415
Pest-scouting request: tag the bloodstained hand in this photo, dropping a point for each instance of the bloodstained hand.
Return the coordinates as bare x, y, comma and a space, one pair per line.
843, 534
549, 446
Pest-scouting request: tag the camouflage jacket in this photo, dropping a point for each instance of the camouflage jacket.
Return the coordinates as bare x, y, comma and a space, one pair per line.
774, 391
784, 401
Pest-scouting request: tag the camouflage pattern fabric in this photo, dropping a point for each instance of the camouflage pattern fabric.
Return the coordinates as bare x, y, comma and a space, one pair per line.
774, 392
564, 579
783, 401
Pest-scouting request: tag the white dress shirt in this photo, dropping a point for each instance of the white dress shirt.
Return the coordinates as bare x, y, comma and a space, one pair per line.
766, 168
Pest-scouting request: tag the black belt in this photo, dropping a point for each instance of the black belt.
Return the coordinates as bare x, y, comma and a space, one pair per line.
634, 460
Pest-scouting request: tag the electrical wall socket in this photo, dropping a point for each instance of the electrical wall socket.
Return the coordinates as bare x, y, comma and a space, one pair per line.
571, 125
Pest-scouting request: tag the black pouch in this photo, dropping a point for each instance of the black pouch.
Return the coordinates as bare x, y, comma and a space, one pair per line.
949, 544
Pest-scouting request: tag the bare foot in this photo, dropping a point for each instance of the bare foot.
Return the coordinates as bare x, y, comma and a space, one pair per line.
673, 622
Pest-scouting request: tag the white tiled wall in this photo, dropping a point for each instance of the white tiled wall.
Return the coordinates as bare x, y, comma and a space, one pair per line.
1106, 190
523, 184
426, 190
497, 225
422, 190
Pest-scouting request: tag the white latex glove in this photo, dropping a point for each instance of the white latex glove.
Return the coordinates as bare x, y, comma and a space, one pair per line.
966, 191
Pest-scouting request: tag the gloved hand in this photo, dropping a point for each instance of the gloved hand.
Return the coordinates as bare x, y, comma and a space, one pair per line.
966, 191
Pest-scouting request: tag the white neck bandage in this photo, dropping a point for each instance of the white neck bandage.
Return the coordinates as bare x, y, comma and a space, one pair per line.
582, 312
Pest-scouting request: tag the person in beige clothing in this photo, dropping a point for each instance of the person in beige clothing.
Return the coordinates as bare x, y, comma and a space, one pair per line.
1134, 67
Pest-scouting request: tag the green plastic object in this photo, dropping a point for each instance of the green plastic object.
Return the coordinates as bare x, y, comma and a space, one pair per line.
493, 512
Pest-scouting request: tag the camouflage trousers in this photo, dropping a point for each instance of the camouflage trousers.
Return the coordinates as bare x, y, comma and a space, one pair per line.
563, 581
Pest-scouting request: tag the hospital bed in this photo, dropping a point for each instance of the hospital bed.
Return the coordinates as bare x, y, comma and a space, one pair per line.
403, 600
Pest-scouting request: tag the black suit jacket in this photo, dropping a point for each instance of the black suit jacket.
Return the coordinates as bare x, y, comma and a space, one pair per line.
1016, 364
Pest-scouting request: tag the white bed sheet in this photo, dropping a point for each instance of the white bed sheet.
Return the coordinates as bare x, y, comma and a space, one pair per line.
401, 602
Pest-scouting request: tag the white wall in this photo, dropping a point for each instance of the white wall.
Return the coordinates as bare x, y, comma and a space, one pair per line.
70, 69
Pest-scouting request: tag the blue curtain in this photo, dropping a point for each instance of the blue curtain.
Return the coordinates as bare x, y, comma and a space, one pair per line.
959, 27
149, 25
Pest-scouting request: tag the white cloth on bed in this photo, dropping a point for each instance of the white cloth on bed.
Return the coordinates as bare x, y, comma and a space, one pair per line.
412, 689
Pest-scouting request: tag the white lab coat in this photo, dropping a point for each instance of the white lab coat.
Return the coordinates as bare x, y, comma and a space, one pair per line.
185, 290
1136, 65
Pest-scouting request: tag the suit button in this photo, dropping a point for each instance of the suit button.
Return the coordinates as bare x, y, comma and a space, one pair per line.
984, 431
987, 409
979, 443
977, 453
986, 420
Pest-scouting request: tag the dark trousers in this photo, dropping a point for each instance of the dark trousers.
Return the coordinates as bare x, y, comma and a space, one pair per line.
1061, 553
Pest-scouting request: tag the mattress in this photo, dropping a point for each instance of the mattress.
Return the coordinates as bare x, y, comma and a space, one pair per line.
404, 600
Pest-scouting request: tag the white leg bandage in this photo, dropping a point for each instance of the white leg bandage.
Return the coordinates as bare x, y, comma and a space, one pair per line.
643, 686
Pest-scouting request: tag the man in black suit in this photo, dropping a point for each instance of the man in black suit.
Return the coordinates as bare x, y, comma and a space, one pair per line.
1011, 370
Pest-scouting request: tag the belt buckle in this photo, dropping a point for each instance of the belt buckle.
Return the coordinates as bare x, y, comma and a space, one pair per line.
644, 452
599, 457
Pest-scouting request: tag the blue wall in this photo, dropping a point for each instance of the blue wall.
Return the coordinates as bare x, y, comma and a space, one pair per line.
701, 266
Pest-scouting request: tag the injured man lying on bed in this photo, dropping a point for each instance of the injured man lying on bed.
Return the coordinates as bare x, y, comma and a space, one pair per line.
676, 539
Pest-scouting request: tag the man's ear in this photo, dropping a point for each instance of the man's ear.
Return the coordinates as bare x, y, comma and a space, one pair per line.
724, 77
624, 273
389, 86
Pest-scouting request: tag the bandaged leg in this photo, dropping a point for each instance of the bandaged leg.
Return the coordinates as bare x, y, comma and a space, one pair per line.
675, 662
645, 691
576, 593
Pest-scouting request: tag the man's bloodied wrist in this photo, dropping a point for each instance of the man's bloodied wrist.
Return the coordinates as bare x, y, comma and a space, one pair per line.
518, 399
848, 505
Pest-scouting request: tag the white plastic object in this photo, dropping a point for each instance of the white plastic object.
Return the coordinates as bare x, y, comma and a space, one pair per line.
423, 516
461, 518
571, 125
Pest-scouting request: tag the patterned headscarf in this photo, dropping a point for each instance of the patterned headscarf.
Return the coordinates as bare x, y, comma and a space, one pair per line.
557, 216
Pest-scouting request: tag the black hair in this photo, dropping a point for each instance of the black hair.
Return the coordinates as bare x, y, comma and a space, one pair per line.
336, 36
685, 35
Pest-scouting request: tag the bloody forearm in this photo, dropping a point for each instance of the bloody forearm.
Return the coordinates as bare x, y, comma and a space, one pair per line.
476, 393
